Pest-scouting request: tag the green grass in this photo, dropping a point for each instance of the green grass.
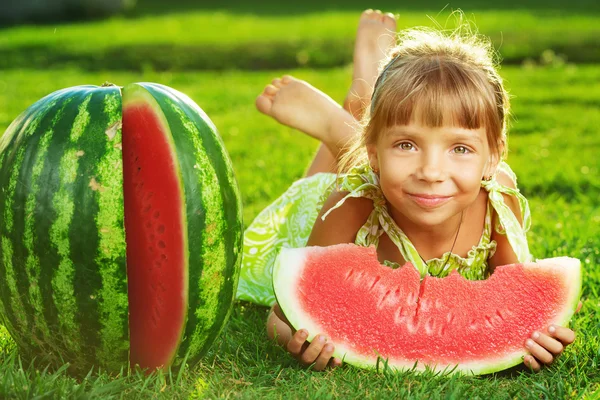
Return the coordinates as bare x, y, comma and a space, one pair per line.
554, 144
553, 149
191, 37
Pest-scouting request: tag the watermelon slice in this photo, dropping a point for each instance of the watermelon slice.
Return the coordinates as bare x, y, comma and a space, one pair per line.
372, 312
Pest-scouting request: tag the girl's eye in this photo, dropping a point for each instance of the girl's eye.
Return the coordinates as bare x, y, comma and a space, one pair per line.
461, 150
405, 146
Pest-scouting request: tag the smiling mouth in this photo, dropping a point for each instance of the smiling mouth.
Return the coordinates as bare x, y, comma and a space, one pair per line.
430, 201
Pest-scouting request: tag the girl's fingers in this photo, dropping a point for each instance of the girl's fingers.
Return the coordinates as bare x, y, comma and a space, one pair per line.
539, 352
324, 357
565, 335
312, 352
532, 363
335, 362
296, 343
552, 345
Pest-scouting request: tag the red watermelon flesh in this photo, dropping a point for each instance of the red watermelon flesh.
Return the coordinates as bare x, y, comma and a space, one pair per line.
155, 229
369, 310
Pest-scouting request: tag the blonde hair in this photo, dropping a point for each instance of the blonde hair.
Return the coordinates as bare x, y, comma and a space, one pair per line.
436, 78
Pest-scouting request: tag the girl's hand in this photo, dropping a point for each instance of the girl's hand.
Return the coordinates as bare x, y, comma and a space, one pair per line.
319, 352
545, 347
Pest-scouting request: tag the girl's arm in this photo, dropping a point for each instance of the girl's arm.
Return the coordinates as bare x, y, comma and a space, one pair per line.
547, 345
340, 226
504, 252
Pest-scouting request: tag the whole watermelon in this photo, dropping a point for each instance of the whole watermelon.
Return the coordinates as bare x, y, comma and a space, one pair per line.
121, 232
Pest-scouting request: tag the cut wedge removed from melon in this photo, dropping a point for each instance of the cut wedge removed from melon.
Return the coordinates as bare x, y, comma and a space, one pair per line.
374, 313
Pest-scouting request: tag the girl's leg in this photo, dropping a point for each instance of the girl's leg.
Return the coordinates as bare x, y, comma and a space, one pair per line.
375, 35
301, 106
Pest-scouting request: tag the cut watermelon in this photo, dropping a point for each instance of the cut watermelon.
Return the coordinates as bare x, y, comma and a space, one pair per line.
155, 227
370, 311
121, 229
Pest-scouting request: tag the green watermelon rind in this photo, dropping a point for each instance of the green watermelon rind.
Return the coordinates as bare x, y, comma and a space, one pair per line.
288, 268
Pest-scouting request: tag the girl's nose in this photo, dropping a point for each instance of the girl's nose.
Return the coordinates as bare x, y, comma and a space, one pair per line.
432, 169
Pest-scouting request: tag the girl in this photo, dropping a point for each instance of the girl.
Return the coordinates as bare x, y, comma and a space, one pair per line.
424, 181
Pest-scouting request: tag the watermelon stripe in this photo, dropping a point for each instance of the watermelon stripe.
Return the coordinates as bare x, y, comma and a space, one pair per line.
86, 145
209, 178
64, 173
26, 122
113, 306
33, 263
10, 273
25, 133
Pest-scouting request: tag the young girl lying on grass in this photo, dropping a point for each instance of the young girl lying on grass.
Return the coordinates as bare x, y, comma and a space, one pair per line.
424, 180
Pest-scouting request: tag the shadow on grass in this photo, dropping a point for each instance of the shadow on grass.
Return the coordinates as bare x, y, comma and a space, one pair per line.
283, 54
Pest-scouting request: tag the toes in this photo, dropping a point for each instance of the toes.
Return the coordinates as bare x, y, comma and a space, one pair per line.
271, 90
371, 14
276, 82
389, 20
286, 79
264, 103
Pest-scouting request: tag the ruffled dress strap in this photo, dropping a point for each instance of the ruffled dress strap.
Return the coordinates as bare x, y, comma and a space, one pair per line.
507, 222
363, 182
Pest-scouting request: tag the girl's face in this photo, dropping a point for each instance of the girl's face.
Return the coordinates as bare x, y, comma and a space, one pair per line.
429, 175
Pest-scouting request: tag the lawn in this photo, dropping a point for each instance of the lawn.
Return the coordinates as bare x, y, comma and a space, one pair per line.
553, 142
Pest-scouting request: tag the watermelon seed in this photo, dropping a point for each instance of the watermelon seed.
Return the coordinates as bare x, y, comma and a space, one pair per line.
429, 326
161, 229
399, 316
151, 249
375, 282
156, 215
499, 314
163, 256
161, 244
488, 322
349, 274
380, 304
148, 208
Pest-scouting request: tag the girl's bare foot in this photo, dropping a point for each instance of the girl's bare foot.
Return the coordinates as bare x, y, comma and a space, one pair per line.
375, 36
299, 105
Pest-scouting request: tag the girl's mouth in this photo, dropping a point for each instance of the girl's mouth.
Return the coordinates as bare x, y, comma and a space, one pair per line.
429, 201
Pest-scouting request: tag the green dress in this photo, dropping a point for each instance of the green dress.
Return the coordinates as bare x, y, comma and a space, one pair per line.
288, 222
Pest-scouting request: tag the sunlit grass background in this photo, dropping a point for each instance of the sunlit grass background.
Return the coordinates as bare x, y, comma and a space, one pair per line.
223, 54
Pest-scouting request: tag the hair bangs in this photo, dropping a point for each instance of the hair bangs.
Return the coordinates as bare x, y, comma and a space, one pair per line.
442, 94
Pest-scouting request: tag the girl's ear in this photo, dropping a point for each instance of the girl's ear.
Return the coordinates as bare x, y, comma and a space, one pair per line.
492, 165
373, 159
